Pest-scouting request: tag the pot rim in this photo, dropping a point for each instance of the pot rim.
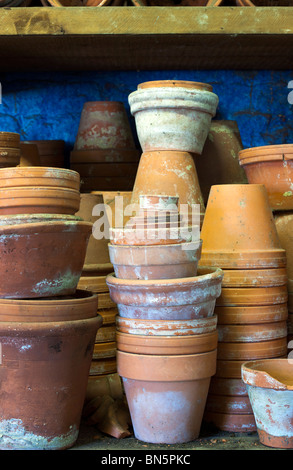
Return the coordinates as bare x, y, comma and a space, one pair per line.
254, 373
83, 296
175, 83
45, 227
48, 171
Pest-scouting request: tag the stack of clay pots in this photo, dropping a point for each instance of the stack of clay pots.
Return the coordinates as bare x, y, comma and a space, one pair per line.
239, 235
9, 149
104, 152
166, 327
272, 165
47, 325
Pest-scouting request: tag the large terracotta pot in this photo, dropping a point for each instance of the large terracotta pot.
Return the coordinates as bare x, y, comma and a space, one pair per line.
239, 231
169, 117
271, 166
44, 374
251, 315
51, 152
174, 299
42, 259
270, 389
39, 177
166, 395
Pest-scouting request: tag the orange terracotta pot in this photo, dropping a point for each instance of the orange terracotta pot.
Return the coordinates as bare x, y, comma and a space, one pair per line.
175, 84
165, 420
272, 166
270, 390
166, 327
247, 296
172, 261
252, 351
39, 177
243, 236
251, 315
55, 356
227, 387
37, 261
171, 345
229, 422
254, 277
29, 155
174, 299
251, 333
51, 152
228, 404
34, 200
284, 226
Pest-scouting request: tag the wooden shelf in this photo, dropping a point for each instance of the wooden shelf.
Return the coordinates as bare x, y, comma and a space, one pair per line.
146, 38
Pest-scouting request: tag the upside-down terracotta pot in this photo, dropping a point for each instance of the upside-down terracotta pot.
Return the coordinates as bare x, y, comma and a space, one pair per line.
284, 226
250, 315
44, 374
239, 231
271, 166
166, 395
103, 125
29, 155
270, 389
218, 163
237, 278
247, 296
42, 259
169, 117
155, 261
39, 177
173, 299
51, 152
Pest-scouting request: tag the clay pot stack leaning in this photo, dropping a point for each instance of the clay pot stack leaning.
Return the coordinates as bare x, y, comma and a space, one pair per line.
239, 236
104, 152
9, 149
51, 152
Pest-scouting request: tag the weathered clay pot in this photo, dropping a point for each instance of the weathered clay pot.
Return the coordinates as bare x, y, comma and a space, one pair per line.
270, 389
218, 163
166, 327
103, 125
171, 345
238, 230
34, 200
254, 277
172, 261
78, 306
39, 177
173, 380
271, 166
15, 219
249, 296
284, 226
251, 315
246, 351
29, 155
51, 358
171, 117
42, 259
251, 333
51, 152
174, 299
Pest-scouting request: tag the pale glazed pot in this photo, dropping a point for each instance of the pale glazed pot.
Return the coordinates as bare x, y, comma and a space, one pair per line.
39, 177
270, 389
272, 166
165, 420
42, 259
239, 231
56, 357
177, 299
171, 117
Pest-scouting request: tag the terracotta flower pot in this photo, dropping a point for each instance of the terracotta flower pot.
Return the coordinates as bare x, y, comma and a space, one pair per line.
284, 226
41, 408
270, 389
251, 333
251, 315
166, 327
51, 152
155, 261
234, 278
238, 230
249, 296
29, 155
103, 125
42, 259
34, 200
174, 299
175, 415
169, 117
271, 166
78, 306
252, 351
39, 177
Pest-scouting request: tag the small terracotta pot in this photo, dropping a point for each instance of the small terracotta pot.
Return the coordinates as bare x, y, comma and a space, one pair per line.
165, 419
251, 333
270, 389
39, 177
234, 278
252, 351
251, 315
155, 261
103, 125
272, 166
284, 226
166, 327
37, 258
174, 299
244, 236
169, 117
51, 152
29, 155
34, 200
36, 413
249, 296
171, 345
243, 423
228, 387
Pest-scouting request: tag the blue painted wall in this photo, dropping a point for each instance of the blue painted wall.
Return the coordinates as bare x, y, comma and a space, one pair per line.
48, 105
